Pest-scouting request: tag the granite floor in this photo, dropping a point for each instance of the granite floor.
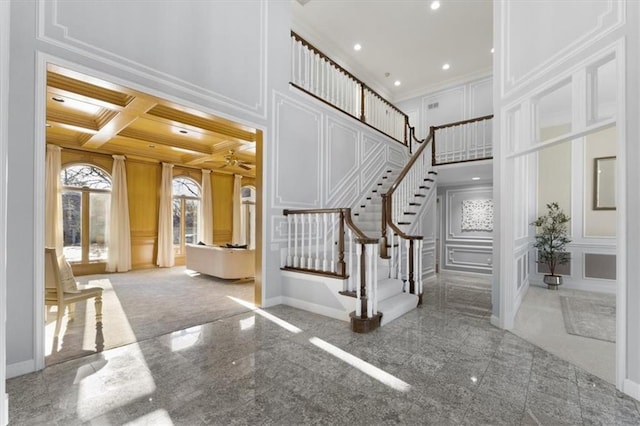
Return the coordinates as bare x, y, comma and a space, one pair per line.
440, 364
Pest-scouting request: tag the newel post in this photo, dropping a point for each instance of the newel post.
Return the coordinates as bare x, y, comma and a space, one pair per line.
412, 282
432, 130
341, 267
383, 238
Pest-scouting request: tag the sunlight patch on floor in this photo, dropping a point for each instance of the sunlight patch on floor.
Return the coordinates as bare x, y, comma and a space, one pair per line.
369, 369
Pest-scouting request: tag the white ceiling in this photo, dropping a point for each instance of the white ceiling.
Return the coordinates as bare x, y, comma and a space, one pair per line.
462, 173
404, 38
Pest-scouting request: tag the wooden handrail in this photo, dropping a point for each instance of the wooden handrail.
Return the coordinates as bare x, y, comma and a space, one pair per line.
360, 237
459, 123
411, 162
363, 86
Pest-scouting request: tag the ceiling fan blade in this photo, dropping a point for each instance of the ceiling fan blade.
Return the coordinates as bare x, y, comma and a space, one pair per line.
244, 166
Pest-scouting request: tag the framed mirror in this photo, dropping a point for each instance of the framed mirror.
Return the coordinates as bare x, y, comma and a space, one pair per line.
604, 185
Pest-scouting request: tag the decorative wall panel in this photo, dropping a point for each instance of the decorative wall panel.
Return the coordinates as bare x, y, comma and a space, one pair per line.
342, 156
297, 154
166, 37
444, 107
469, 257
481, 98
572, 26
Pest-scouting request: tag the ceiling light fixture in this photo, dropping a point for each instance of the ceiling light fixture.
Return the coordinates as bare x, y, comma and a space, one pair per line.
435, 5
397, 83
151, 146
57, 99
47, 125
357, 47
446, 67
475, 178
184, 132
492, 50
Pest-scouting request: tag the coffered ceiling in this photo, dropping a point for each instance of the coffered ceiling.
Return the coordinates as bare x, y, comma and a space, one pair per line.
89, 114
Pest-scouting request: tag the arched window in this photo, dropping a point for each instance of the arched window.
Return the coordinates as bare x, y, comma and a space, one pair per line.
86, 195
186, 207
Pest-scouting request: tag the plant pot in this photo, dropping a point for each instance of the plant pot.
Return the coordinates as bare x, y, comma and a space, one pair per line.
552, 281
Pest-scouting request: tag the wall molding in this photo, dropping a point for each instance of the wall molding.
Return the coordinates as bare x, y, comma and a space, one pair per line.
51, 31
5, 26
278, 202
510, 84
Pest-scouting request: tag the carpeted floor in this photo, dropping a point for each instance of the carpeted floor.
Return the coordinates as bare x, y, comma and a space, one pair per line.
142, 304
591, 318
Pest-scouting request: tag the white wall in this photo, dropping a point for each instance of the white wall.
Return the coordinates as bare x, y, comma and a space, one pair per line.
4, 104
530, 60
456, 103
225, 73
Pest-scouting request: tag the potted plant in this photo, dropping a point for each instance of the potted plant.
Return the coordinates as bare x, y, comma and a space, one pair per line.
551, 241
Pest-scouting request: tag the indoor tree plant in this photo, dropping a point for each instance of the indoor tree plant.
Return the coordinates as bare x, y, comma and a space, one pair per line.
551, 241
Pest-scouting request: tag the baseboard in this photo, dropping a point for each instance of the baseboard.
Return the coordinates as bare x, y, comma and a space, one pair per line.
273, 301
4, 414
631, 388
316, 309
495, 321
21, 368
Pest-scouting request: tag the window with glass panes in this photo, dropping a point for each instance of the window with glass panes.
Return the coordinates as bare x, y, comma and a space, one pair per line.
186, 207
86, 195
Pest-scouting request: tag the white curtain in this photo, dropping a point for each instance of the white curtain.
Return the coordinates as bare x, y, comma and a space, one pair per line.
119, 258
53, 202
206, 210
165, 219
237, 212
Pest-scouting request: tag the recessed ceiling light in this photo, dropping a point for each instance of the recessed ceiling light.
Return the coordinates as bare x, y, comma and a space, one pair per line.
357, 47
57, 99
397, 83
435, 5
492, 50
184, 132
151, 146
446, 67
475, 178
47, 125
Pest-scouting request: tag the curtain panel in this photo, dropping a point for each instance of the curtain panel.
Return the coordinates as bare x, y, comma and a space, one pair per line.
166, 257
119, 257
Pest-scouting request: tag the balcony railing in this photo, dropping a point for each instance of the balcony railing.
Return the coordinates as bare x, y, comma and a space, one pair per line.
462, 141
313, 72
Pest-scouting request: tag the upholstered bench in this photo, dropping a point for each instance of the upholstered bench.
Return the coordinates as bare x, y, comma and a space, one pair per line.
222, 262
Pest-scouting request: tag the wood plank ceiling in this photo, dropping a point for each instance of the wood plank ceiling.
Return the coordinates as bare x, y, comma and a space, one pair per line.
89, 114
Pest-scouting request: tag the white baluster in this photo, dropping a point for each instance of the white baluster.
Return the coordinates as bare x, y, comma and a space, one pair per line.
374, 298
420, 260
289, 237
369, 277
333, 240
318, 234
358, 295
296, 259
303, 258
392, 254
325, 252
310, 257
351, 283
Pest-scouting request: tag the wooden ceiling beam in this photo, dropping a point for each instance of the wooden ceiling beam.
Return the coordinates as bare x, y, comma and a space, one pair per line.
131, 112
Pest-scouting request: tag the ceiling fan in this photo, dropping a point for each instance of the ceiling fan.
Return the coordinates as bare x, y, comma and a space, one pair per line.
232, 160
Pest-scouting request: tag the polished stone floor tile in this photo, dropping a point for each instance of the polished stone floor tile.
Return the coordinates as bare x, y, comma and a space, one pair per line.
441, 364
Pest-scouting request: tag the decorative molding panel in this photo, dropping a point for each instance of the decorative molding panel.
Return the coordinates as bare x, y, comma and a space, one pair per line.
469, 257
371, 147
599, 266
397, 156
103, 32
297, 154
279, 228
481, 98
342, 157
523, 62
454, 204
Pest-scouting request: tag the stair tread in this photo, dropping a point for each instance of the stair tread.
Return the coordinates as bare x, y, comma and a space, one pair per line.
397, 306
